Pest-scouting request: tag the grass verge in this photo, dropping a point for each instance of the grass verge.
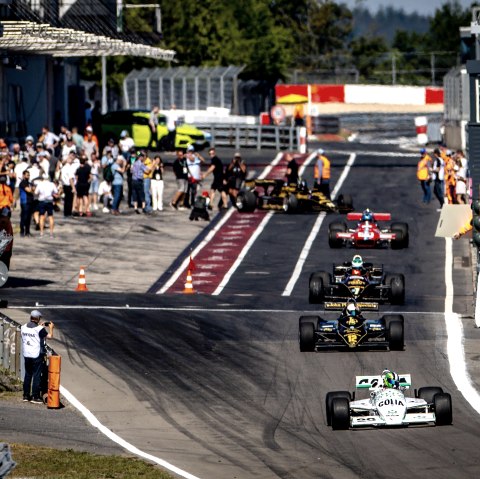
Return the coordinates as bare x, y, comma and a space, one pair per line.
45, 463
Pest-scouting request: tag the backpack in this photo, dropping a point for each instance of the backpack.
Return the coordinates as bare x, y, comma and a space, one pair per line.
108, 173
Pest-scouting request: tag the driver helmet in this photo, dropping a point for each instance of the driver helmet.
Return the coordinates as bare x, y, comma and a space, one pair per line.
357, 262
367, 215
352, 309
390, 379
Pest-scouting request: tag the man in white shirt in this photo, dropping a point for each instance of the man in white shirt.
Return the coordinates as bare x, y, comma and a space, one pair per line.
194, 163
50, 140
47, 192
67, 177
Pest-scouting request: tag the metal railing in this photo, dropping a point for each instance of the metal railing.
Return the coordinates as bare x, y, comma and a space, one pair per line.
11, 346
253, 136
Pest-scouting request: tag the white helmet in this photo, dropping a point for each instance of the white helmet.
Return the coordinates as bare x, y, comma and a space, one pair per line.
357, 261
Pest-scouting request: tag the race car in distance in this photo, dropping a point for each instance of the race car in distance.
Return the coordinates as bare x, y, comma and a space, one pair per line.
388, 406
358, 280
351, 329
291, 198
367, 233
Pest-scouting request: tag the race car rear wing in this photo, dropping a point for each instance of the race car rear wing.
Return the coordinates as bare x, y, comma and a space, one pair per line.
376, 216
340, 305
371, 382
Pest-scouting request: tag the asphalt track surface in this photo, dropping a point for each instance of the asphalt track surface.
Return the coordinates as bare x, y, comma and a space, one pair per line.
217, 386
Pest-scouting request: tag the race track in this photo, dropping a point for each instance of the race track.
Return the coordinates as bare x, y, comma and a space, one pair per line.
217, 386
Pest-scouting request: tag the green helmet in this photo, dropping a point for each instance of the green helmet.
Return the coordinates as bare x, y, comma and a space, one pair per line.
390, 379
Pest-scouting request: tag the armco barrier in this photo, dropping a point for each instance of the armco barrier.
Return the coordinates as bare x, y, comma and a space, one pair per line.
253, 136
11, 347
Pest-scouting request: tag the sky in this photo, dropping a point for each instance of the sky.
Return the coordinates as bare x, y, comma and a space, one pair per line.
423, 7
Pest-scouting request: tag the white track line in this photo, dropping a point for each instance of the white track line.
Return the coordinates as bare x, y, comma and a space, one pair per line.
212, 233
306, 163
316, 228
91, 418
455, 337
243, 253
200, 309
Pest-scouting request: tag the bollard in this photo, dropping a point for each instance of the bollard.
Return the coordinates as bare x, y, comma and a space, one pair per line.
53, 397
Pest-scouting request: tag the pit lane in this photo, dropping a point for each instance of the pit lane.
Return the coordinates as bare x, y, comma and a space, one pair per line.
217, 385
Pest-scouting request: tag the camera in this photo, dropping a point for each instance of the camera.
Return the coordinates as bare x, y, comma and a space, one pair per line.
47, 323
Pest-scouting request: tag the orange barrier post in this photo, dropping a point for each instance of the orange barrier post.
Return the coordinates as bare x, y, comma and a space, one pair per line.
82, 283
53, 395
189, 284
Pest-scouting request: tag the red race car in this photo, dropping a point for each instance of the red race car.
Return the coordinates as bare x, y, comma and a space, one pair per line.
367, 233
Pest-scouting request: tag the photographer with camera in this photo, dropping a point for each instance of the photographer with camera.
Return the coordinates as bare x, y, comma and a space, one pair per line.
34, 336
235, 173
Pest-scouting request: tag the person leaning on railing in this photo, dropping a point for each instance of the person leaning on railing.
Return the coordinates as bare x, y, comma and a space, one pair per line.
468, 226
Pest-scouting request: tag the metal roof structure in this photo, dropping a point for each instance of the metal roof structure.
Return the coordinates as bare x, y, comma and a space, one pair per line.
44, 39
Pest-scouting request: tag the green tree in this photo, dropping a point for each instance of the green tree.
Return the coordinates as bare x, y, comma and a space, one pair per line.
368, 54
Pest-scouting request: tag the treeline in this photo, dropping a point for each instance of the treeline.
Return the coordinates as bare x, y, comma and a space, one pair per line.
274, 38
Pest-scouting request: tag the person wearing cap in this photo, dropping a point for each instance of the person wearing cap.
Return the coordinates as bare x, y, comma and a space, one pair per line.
110, 147
424, 167
46, 192
34, 336
90, 143
321, 173
235, 174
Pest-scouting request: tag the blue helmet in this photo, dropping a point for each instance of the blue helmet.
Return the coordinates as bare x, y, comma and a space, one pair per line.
367, 215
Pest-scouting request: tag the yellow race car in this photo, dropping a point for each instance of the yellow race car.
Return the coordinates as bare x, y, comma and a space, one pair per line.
136, 123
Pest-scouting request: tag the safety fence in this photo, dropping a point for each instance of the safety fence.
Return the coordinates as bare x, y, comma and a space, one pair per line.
253, 136
11, 347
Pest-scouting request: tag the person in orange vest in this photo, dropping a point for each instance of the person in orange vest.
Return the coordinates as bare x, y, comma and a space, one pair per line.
450, 178
424, 167
468, 226
6, 196
321, 173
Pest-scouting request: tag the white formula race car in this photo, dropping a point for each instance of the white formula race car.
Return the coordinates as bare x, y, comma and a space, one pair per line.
388, 406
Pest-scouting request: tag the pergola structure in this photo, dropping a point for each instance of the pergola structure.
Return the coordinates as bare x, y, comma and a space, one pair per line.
43, 39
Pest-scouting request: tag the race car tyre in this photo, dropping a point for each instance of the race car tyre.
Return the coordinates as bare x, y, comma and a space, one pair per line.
333, 229
290, 204
397, 288
345, 202
442, 406
316, 287
428, 392
395, 331
340, 414
246, 201
328, 402
306, 337
403, 238
310, 319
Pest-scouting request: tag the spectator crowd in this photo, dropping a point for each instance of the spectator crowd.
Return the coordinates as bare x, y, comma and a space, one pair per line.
68, 173
445, 174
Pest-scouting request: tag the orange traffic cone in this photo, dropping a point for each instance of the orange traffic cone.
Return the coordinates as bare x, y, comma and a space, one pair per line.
82, 284
188, 284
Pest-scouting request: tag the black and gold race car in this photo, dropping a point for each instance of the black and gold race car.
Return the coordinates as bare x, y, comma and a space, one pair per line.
291, 198
365, 283
351, 329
